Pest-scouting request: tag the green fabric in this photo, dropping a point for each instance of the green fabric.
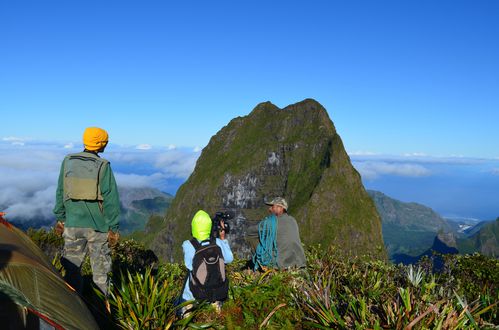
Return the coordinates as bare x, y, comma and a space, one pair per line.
201, 225
28, 279
81, 176
88, 214
290, 250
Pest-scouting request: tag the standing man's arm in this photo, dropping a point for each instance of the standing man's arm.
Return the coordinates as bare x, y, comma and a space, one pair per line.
59, 209
111, 203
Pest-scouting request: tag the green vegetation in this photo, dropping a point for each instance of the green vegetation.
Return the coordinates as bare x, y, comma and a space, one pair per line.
137, 210
153, 226
484, 240
408, 228
398, 239
47, 241
333, 292
144, 301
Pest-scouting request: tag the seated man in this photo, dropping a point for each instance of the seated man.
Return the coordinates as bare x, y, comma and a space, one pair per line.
279, 239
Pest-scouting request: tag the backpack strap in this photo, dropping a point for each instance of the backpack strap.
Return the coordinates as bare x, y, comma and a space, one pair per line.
195, 243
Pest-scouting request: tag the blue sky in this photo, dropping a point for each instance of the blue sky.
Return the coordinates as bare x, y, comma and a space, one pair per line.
398, 78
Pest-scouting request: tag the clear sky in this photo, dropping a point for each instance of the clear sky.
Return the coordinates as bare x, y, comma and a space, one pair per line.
412, 87
395, 76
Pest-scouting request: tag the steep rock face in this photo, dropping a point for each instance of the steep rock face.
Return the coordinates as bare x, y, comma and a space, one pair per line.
293, 152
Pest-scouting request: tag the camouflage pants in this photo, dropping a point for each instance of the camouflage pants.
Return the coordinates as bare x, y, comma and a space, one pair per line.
77, 243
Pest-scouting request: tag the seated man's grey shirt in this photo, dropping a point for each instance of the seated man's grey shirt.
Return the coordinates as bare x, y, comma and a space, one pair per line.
289, 248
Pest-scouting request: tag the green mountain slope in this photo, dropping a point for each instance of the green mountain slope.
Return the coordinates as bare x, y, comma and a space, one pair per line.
408, 228
443, 243
485, 240
138, 205
293, 152
475, 228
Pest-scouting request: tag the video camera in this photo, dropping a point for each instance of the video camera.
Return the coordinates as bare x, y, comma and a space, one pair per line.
217, 219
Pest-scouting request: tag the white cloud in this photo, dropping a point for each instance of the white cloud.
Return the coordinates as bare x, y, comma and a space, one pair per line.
361, 153
372, 166
415, 154
372, 169
30, 160
28, 175
13, 139
419, 158
35, 206
172, 147
139, 181
144, 147
176, 163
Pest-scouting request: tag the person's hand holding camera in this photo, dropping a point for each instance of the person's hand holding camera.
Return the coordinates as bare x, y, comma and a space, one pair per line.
222, 230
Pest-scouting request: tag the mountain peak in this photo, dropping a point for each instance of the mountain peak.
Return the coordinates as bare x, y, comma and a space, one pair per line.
265, 108
292, 152
307, 106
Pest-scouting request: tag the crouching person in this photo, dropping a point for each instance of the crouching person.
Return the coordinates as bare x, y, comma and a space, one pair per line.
205, 257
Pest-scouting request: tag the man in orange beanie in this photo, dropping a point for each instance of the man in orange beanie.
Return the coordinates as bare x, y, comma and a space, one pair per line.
87, 210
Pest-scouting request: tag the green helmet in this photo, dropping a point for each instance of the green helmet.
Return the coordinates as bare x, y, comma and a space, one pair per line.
201, 225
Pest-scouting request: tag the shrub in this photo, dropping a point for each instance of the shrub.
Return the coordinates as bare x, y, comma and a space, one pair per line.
47, 241
258, 299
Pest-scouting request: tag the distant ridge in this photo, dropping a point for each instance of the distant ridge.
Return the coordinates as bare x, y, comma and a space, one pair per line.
411, 231
442, 244
139, 204
408, 228
483, 238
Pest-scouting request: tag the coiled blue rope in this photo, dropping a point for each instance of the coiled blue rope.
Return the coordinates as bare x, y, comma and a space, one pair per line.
266, 251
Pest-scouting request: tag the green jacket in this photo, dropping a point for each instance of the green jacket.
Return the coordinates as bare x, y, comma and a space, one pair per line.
102, 215
290, 250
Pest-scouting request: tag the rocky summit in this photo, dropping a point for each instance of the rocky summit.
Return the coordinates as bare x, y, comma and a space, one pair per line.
293, 152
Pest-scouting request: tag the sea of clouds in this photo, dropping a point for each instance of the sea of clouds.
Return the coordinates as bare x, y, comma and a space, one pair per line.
453, 186
29, 171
